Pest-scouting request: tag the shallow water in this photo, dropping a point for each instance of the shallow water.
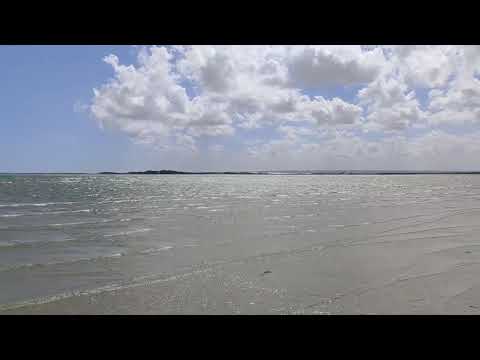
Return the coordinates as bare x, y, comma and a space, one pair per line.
270, 244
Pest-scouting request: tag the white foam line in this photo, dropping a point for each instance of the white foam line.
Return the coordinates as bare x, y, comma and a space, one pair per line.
128, 232
99, 290
102, 257
45, 213
53, 263
140, 281
61, 224
155, 250
34, 204
8, 245
34, 243
79, 223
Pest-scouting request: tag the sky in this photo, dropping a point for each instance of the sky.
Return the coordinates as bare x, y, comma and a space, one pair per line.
232, 108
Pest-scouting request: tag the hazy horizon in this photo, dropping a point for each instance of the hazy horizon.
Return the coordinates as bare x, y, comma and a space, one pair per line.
254, 171
239, 108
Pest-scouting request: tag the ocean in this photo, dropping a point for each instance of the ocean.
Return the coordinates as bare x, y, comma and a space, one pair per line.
239, 244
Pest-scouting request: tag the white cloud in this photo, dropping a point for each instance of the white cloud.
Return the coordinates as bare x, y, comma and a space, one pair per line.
334, 112
425, 65
186, 141
460, 103
216, 148
246, 86
319, 66
433, 151
390, 104
144, 101
175, 95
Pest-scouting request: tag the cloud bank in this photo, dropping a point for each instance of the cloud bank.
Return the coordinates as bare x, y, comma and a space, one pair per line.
300, 107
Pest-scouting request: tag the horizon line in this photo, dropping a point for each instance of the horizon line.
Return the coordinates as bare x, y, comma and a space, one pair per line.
252, 172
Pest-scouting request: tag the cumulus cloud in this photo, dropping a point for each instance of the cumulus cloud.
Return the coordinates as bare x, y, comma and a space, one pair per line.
334, 112
460, 102
390, 104
320, 66
173, 97
237, 86
426, 65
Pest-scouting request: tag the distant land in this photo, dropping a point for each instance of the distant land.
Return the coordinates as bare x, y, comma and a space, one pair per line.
173, 172
263, 172
292, 172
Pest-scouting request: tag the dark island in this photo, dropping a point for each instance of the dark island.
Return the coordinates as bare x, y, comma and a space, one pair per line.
173, 172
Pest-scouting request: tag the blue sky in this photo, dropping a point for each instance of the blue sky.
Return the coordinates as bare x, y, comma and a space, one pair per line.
307, 106
40, 131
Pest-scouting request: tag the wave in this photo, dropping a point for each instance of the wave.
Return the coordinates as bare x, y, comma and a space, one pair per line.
36, 204
88, 259
45, 213
102, 289
79, 223
118, 201
153, 279
62, 262
33, 243
155, 250
8, 244
60, 212
128, 232
56, 225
